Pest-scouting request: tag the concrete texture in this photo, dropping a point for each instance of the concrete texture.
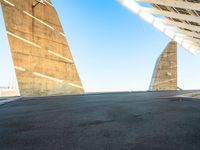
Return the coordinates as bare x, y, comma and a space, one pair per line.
165, 73
115, 121
41, 55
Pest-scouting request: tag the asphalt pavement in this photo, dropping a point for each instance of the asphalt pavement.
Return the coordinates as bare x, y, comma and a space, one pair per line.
112, 121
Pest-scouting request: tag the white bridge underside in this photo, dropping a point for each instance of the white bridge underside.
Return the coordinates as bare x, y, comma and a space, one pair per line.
178, 19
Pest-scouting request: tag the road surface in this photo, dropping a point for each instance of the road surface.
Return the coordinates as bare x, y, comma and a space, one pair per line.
112, 121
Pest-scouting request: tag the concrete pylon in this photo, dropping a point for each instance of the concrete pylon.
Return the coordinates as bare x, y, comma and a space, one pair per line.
40, 52
165, 72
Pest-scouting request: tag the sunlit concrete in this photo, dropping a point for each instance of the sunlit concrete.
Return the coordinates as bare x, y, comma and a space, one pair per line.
40, 52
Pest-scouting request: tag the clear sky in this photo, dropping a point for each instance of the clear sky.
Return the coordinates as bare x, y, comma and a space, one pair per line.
6, 64
114, 50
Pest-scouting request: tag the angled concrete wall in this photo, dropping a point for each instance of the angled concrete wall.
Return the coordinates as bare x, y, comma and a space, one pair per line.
165, 73
41, 54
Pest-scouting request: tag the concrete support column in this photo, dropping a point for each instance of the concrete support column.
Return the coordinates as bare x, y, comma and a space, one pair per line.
165, 73
41, 55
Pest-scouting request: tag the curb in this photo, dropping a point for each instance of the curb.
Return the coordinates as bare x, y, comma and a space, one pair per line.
2, 102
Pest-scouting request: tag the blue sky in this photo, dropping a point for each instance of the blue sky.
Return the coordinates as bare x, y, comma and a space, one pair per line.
114, 50
6, 64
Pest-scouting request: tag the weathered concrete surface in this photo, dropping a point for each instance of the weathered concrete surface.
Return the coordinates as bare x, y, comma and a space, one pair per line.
115, 121
41, 55
165, 73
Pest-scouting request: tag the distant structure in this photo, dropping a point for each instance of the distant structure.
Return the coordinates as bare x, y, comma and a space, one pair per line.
177, 19
41, 54
11, 90
165, 73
